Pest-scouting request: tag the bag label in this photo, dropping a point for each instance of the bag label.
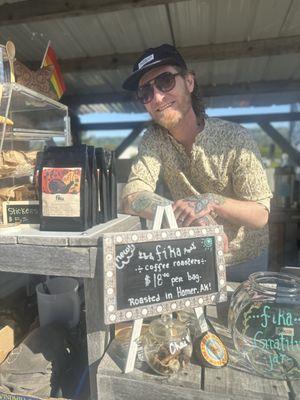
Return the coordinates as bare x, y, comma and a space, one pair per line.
61, 192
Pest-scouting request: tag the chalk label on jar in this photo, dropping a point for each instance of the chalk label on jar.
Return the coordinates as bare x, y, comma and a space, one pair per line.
174, 347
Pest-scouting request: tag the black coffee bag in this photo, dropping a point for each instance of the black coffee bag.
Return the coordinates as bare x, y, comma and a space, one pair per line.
94, 185
103, 186
64, 186
112, 183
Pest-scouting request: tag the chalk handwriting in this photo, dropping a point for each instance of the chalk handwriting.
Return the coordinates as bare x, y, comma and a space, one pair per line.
174, 347
125, 256
146, 256
190, 249
280, 323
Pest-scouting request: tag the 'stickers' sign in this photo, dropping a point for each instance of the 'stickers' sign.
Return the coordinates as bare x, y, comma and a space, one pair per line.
24, 212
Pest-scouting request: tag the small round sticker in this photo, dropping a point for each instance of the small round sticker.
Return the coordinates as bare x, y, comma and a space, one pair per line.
210, 350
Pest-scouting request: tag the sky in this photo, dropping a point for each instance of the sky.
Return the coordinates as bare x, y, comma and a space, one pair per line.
212, 112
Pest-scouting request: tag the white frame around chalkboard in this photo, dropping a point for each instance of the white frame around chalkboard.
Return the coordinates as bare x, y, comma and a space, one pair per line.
111, 240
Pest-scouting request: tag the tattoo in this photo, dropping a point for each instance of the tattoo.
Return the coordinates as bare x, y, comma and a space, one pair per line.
206, 220
147, 201
140, 204
200, 203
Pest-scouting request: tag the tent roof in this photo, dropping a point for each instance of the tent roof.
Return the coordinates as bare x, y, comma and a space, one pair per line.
244, 52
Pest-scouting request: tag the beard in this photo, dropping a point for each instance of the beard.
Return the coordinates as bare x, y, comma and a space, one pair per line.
172, 117
169, 119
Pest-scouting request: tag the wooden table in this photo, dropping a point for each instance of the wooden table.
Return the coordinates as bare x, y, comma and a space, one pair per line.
236, 381
25, 249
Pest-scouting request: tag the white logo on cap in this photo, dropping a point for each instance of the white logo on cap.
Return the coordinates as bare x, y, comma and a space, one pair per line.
146, 60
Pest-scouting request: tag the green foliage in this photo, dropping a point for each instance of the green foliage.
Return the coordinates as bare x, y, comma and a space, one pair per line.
107, 142
265, 144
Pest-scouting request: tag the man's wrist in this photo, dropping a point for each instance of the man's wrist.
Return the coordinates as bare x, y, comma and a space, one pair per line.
216, 202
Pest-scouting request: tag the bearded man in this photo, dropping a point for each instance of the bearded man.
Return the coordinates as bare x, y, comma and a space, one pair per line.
211, 167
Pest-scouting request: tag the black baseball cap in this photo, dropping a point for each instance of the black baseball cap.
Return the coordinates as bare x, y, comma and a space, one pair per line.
165, 54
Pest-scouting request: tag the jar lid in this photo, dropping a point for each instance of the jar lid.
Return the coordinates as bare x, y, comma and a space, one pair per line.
166, 327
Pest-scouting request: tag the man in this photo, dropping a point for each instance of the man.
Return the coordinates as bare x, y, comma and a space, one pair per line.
211, 167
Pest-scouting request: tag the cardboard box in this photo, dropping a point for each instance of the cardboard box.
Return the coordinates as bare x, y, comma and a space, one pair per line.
7, 340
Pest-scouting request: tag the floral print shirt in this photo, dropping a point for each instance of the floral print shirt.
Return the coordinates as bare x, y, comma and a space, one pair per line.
224, 160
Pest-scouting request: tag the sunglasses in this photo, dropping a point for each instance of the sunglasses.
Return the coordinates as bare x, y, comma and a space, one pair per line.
164, 82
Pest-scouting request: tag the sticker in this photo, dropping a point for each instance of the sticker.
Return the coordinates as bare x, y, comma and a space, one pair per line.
212, 350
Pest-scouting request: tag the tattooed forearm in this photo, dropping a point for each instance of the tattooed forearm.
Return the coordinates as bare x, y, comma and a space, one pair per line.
145, 203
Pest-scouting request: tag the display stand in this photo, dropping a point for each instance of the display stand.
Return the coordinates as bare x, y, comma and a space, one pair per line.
168, 213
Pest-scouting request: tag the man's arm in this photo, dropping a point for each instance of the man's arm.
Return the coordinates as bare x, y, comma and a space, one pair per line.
249, 183
238, 212
144, 204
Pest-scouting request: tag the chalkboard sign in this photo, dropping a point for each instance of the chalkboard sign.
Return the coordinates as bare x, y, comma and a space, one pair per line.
25, 212
148, 273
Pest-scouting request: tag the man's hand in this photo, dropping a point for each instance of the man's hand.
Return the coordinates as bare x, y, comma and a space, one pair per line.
194, 211
187, 211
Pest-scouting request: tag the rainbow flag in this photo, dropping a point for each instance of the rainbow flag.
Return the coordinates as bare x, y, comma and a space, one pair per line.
56, 79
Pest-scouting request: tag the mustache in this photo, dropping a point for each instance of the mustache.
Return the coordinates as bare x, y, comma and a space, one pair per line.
163, 106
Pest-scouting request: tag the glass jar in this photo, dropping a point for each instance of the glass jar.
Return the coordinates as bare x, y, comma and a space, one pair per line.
4, 66
167, 345
189, 319
264, 320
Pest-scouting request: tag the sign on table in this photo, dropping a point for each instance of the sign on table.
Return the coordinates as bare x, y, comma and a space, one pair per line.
148, 273
24, 212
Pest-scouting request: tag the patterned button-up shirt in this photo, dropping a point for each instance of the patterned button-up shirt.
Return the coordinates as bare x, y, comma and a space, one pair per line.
224, 160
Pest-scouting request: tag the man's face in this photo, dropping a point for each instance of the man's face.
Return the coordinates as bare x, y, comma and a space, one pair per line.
168, 109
